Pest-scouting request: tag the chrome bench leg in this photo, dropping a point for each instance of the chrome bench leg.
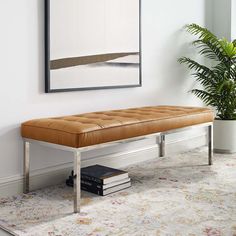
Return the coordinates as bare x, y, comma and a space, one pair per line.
210, 144
162, 145
26, 166
77, 159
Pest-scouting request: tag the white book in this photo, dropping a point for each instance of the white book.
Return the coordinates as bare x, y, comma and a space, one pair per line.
104, 186
116, 188
115, 183
115, 178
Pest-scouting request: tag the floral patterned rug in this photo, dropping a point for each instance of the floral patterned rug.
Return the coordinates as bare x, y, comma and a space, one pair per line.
175, 195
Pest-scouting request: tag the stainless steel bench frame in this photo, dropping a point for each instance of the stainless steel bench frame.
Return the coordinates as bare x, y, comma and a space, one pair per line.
77, 154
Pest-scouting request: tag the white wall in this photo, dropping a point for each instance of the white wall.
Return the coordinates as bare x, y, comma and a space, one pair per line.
233, 19
22, 95
222, 18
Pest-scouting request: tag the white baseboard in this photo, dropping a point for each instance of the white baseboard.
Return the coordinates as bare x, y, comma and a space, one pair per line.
57, 174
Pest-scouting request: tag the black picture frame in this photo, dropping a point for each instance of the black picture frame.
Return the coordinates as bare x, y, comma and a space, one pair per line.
48, 88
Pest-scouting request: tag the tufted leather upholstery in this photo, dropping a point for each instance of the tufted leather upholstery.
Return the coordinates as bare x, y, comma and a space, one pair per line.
101, 127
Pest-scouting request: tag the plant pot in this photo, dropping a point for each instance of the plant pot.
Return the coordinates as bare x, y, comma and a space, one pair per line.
224, 136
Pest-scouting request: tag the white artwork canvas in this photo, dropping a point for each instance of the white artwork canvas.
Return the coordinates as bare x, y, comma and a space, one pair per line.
92, 44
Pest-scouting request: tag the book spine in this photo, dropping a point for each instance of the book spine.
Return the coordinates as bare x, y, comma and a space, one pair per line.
91, 184
92, 189
90, 178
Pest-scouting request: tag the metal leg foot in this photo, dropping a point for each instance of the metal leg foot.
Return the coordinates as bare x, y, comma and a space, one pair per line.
77, 157
26, 166
162, 145
210, 144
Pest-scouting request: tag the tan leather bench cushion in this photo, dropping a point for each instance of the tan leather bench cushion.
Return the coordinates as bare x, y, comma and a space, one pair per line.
101, 127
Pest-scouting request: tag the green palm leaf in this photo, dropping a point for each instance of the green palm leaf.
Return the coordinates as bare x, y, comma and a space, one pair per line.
196, 66
218, 81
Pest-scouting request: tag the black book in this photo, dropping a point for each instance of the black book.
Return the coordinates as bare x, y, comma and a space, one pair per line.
97, 186
102, 174
103, 192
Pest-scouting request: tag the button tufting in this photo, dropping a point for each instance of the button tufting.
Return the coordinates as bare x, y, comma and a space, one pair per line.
99, 127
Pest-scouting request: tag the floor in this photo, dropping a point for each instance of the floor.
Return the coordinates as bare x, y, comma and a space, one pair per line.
176, 195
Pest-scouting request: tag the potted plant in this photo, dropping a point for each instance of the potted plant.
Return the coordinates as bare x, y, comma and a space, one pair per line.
218, 83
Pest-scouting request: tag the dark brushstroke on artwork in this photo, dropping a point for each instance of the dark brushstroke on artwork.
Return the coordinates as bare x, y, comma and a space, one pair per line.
115, 64
86, 60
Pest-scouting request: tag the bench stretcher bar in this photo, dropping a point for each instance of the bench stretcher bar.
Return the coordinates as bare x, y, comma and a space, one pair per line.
77, 154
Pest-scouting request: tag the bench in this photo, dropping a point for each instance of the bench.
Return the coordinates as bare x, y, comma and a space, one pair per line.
79, 133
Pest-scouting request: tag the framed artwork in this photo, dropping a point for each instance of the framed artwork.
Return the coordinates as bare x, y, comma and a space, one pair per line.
92, 44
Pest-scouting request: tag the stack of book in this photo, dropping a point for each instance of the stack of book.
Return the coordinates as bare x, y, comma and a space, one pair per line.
104, 180
101, 180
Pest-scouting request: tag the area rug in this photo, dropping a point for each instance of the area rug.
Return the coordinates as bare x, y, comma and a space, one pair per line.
175, 195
